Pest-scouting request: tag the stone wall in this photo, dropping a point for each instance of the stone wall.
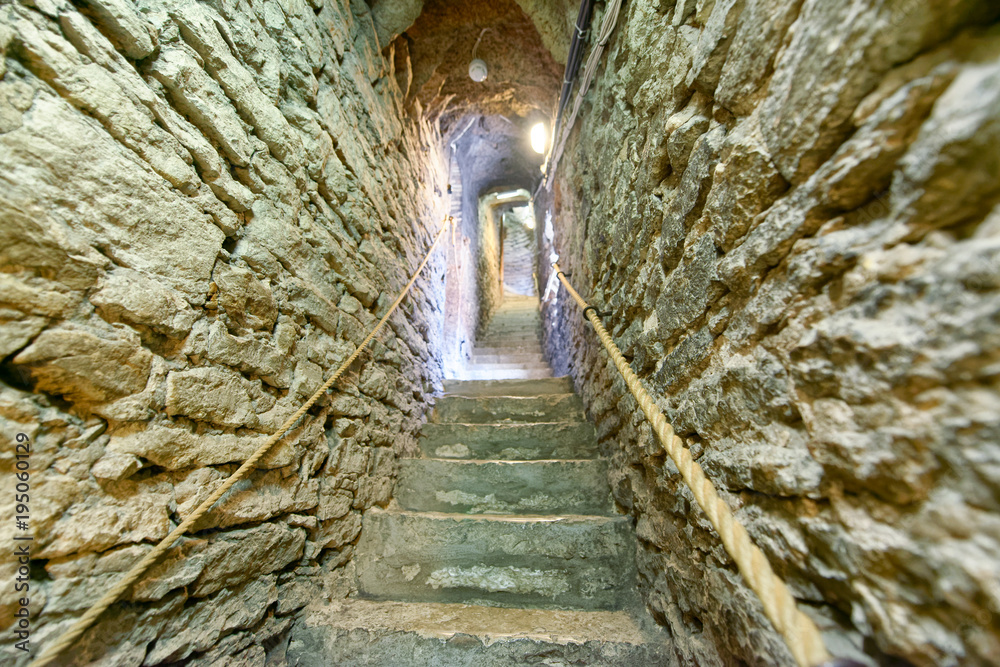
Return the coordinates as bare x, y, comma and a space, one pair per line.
488, 266
204, 206
790, 209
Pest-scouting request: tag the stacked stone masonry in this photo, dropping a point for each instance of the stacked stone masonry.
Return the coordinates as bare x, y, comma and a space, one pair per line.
204, 207
790, 209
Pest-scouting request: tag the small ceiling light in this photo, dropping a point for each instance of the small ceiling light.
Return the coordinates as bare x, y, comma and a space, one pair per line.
529, 223
478, 70
539, 140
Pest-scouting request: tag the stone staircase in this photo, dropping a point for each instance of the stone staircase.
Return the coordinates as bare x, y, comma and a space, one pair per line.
511, 347
501, 546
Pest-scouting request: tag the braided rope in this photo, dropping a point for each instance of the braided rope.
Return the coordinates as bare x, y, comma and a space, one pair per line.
67, 639
800, 633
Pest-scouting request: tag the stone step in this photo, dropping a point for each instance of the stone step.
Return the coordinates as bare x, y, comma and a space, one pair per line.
527, 357
515, 320
519, 325
488, 409
518, 374
512, 346
560, 385
505, 339
570, 562
505, 347
523, 305
501, 366
353, 632
514, 328
512, 442
504, 487
515, 317
523, 354
500, 355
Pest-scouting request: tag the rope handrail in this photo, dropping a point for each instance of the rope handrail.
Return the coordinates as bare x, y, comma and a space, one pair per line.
800, 633
68, 638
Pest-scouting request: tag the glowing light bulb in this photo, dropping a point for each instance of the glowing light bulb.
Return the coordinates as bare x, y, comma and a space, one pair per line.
539, 140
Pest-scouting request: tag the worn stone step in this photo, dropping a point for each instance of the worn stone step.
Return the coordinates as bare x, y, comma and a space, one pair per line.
354, 632
506, 340
500, 366
559, 385
501, 355
511, 358
524, 316
504, 487
487, 409
533, 332
514, 329
517, 374
513, 442
523, 347
527, 305
570, 562
532, 346
518, 316
519, 358
524, 305
531, 325
515, 318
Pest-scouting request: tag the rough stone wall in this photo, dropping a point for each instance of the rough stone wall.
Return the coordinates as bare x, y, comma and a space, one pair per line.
791, 210
488, 267
204, 206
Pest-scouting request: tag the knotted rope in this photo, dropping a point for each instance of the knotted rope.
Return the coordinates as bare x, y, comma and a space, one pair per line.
800, 633
68, 638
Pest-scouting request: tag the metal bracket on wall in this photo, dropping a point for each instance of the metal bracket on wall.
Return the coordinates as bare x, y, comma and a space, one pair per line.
599, 313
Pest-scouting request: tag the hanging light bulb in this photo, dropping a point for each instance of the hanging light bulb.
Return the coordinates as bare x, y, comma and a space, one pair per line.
478, 70
539, 140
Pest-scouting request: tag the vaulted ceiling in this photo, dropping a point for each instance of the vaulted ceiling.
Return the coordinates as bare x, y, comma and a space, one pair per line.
523, 42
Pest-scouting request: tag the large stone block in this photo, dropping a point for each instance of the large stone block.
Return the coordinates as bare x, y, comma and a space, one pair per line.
64, 157
134, 36
87, 364
270, 546
133, 298
201, 99
210, 394
178, 448
814, 90
245, 298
